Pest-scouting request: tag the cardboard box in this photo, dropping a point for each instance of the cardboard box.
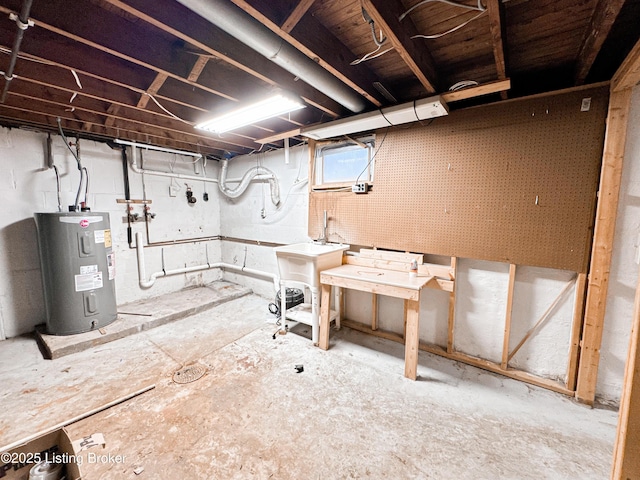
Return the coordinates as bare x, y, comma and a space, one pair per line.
55, 447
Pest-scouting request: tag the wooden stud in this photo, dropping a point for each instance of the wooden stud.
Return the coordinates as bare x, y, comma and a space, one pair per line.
603, 237
494, 9
626, 461
385, 13
452, 306
468, 359
507, 319
576, 330
604, 15
295, 16
540, 321
374, 311
628, 75
412, 341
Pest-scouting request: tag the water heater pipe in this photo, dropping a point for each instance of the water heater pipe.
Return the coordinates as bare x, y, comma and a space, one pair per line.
148, 283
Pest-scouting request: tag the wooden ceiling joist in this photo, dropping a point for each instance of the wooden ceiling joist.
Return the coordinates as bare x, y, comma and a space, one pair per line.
174, 19
604, 15
318, 43
56, 103
385, 13
35, 104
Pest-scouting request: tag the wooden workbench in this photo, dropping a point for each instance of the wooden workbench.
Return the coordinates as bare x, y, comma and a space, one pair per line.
378, 281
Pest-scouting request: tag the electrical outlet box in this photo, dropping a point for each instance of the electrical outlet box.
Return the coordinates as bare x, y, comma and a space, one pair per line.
173, 190
360, 187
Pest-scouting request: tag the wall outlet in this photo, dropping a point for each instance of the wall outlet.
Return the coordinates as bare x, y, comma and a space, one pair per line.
173, 190
360, 187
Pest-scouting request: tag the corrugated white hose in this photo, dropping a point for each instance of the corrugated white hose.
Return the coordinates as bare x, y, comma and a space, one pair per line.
246, 179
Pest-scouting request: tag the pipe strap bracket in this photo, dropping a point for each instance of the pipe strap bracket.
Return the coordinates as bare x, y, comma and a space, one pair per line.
21, 25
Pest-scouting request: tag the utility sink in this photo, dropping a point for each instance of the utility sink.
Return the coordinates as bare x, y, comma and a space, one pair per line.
303, 262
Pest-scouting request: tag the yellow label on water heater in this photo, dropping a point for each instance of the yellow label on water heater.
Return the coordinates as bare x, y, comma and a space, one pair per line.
107, 239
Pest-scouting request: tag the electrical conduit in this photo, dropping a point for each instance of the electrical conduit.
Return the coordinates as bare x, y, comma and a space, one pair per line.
148, 283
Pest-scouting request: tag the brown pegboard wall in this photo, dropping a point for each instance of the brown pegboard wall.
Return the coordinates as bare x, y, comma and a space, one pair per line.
466, 185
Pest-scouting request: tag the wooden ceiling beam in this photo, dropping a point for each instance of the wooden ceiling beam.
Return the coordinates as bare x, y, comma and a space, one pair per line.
628, 75
496, 15
294, 17
604, 15
319, 44
385, 14
178, 21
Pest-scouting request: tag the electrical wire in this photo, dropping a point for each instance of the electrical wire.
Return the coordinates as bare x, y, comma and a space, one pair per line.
86, 185
373, 156
371, 56
442, 34
165, 110
55, 169
77, 80
479, 8
66, 142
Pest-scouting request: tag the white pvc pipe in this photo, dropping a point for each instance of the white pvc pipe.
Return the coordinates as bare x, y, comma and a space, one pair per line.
148, 283
136, 169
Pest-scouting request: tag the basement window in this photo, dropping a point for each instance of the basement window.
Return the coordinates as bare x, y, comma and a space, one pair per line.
342, 164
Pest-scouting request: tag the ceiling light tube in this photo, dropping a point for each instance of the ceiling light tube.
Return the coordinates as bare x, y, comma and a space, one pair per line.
271, 107
423, 109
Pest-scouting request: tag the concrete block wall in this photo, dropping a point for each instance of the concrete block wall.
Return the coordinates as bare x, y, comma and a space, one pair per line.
27, 186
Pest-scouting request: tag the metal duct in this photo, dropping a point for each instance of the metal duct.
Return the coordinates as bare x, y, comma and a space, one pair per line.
252, 33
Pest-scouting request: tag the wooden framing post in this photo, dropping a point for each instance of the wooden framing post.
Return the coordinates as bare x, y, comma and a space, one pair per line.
452, 306
507, 319
576, 330
606, 211
626, 461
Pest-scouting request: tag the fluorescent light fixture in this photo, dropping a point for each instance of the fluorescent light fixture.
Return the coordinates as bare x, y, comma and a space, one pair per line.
430, 107
278, 104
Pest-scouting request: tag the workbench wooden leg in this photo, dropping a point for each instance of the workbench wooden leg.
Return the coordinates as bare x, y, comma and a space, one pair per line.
411, 343
374, 311
325, 304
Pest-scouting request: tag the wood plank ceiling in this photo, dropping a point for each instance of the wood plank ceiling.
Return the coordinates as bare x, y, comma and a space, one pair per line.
148, 70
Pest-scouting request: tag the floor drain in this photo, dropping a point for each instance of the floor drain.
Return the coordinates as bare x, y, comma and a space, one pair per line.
189, 374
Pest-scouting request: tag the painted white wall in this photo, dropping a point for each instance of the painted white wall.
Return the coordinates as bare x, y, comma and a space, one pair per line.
624, 269
253, 216
27, 186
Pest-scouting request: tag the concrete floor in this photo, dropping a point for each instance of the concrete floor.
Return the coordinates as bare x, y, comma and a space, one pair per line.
350, 414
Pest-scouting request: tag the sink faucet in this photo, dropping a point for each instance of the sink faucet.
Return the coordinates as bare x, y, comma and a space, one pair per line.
323, 239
